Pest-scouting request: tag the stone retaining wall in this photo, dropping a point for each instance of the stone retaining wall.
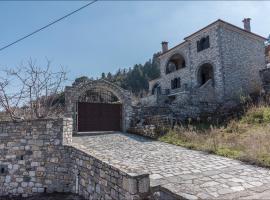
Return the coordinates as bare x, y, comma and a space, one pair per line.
32, 157
38, 156
99, 180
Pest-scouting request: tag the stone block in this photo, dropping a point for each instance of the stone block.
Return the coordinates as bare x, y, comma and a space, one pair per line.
40, 190
130, 185
24, 184
144, 185
97, 188
8, 179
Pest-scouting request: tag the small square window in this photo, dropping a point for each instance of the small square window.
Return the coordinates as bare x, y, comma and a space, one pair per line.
203, 43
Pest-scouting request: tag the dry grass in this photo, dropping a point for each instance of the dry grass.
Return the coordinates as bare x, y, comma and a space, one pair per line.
246, 139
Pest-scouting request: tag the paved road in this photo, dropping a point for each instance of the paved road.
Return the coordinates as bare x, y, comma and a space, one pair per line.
188, 173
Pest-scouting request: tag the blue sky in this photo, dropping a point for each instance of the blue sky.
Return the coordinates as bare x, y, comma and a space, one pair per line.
110, 35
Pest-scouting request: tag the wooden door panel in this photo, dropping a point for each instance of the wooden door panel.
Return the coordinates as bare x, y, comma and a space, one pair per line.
99, 117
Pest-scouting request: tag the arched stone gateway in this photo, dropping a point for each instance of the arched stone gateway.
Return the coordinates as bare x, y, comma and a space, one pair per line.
98, 106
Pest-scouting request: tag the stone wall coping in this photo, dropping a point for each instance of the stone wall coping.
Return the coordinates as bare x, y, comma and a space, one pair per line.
36, 120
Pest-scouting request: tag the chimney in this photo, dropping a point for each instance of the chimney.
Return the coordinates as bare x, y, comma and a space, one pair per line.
246, 22
164, 46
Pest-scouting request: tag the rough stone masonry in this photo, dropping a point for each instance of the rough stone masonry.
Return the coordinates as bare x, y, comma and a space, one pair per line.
212, 66
36, 157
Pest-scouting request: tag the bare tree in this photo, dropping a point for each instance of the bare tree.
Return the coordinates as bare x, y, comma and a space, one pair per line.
30, 91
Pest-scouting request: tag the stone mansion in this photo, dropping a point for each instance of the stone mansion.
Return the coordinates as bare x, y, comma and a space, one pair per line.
211, 66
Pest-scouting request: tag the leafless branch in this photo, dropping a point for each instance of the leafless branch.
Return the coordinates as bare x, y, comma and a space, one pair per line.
34, 93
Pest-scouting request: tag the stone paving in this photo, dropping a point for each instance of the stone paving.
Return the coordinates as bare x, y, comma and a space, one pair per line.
187, 173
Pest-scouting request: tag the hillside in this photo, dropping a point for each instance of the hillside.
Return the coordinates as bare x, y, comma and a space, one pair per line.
134, 79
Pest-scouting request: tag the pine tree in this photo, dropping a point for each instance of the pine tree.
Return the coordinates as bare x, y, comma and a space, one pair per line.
109, 76
134, 79
103, 76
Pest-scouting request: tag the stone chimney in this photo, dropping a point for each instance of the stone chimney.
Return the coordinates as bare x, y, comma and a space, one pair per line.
246, 22
164, 46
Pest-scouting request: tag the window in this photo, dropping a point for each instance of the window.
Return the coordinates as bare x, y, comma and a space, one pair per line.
203, 43
156, 89
175, 83
176, 62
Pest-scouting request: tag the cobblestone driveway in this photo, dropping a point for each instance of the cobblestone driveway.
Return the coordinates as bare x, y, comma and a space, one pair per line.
188, 173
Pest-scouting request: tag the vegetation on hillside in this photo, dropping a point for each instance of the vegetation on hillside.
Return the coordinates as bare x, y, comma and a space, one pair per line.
246, 139
133, 79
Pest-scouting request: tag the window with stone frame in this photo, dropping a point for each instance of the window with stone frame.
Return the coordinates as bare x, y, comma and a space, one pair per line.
175, 83
203, 44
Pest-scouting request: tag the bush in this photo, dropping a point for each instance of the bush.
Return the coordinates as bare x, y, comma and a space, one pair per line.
231, 153
257, 115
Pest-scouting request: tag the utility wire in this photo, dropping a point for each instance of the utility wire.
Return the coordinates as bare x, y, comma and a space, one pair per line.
50, 24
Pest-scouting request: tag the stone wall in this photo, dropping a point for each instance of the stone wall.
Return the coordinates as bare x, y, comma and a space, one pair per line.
151, 121
38, 156
183, 73
265, 77
99, 180
149, 100
194, 59
32, 157
242, 58
210, 55
267, 53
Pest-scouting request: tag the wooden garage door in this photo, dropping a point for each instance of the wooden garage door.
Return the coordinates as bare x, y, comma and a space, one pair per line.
99, 117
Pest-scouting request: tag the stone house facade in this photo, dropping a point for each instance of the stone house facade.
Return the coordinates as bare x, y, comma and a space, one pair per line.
213, 65
267, 54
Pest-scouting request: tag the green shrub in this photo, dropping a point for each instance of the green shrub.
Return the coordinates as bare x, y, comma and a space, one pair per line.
231, 153
264, 158
257, 115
